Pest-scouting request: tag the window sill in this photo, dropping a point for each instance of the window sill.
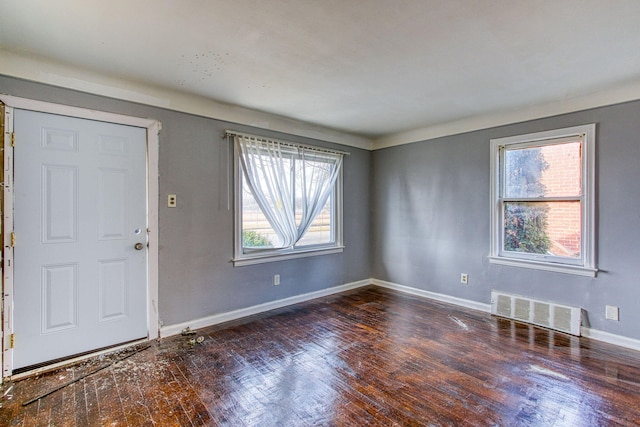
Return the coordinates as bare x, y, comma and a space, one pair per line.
546, 266
272, 257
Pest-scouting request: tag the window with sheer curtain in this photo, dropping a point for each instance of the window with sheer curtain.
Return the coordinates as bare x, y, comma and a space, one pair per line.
288, 200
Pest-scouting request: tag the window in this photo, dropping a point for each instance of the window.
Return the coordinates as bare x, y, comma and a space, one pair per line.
288, 200
542, 191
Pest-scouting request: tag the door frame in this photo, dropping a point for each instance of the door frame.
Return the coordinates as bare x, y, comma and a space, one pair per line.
153, 128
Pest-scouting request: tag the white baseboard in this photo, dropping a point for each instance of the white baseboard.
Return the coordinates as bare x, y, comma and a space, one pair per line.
169, 330
594, 334
610, 338
433, 295
203, 322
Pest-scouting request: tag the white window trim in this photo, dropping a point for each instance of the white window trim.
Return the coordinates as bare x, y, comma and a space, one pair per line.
587, 266
263, 256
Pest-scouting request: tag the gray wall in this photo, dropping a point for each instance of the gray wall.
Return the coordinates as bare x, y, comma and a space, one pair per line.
196, 238
425, 206
431, 223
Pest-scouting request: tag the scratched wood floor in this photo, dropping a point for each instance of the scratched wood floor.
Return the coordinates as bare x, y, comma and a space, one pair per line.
365, 357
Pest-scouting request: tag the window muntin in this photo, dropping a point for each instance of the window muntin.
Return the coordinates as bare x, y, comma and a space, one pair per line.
542, 200
256, 240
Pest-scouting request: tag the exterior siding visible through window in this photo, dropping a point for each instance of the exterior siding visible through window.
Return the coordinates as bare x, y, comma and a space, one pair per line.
564, 224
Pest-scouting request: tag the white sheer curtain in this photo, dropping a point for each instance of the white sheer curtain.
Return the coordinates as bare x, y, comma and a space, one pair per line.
282, 175
319, 173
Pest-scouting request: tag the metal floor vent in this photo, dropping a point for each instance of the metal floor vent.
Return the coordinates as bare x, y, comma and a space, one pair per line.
550, 315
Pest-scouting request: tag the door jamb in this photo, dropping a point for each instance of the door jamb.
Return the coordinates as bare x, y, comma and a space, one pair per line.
153, 128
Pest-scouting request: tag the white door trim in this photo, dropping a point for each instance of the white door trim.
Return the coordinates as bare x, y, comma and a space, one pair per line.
153, 128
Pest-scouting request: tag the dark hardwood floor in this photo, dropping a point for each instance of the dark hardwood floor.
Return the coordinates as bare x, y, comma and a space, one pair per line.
365, 357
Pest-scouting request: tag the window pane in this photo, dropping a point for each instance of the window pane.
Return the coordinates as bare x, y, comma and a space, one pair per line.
547, 171
551, 228
256, 231
563, 175
314, 173
320, 231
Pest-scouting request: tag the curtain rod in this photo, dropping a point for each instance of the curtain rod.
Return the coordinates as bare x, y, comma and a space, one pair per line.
286, 143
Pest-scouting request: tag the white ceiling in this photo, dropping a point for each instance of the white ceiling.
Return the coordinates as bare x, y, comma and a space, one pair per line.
365, 67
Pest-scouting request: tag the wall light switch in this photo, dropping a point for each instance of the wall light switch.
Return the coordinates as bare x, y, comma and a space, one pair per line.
172, 201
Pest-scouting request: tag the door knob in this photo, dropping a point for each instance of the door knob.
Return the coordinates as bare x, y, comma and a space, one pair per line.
139, 246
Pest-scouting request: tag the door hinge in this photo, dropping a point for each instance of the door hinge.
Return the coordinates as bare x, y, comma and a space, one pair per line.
12, 340
13, 239
13, 139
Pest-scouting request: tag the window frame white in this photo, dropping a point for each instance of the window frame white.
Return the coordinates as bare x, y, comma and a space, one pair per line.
586, 265
258, 256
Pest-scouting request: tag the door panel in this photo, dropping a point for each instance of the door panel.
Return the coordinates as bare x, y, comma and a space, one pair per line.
112, 203
59, 297
112, 280
79, 209
59, 203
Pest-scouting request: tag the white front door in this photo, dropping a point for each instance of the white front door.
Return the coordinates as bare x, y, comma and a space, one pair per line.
80, 209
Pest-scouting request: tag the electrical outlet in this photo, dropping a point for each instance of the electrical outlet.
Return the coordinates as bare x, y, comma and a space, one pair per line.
172, 201
464, 278
612, 313
276, 280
